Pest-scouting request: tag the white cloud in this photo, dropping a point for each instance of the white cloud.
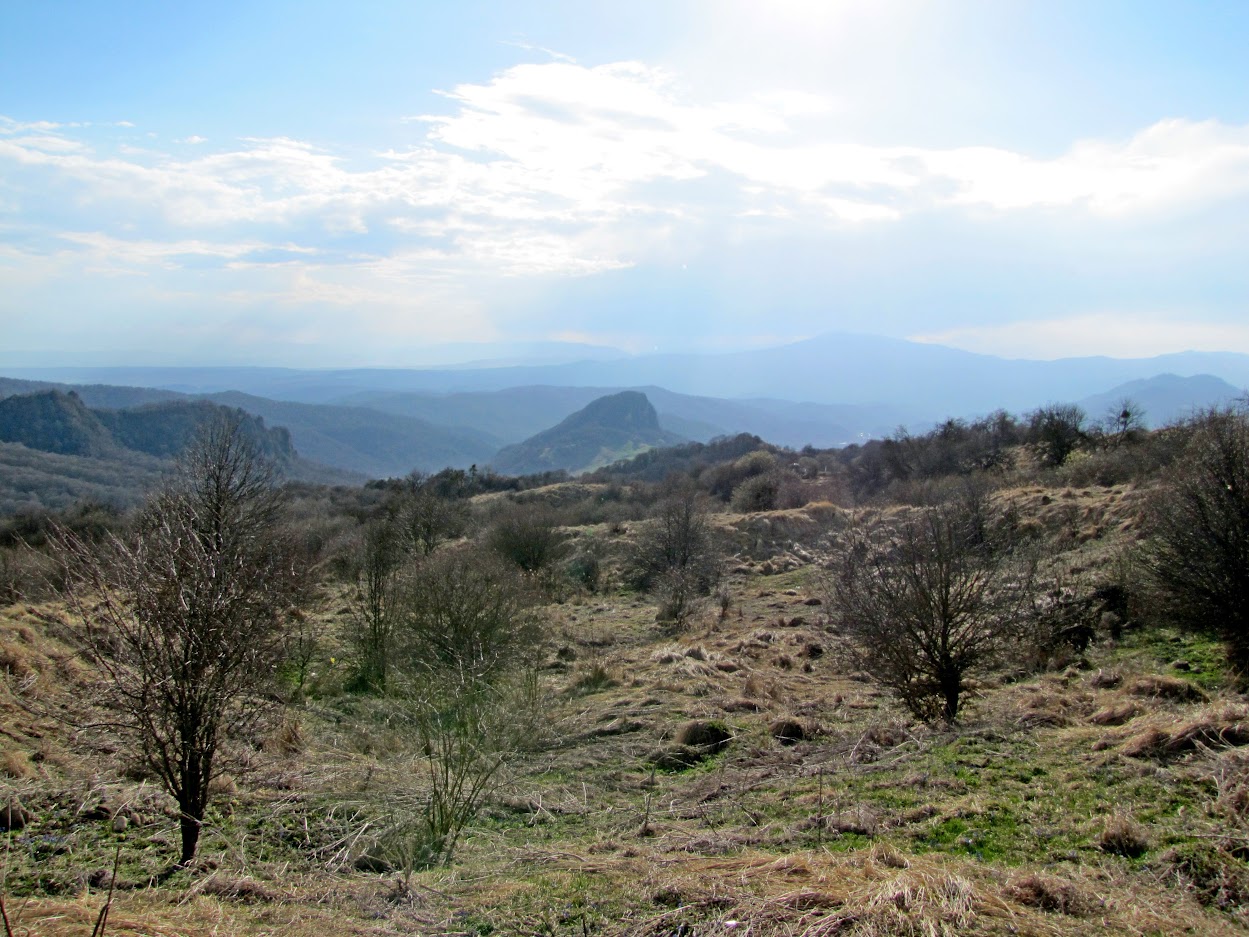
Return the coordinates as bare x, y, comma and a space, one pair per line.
1117, 334
561, 170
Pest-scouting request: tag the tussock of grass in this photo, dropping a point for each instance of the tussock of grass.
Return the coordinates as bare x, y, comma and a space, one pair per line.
1161, 686
1123, 836
1215, 727
1050, 893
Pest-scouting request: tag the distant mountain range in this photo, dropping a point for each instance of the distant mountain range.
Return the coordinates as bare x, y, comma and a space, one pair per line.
606, 430
1164, 399
55, 450
921, 383
372, 443
827, 391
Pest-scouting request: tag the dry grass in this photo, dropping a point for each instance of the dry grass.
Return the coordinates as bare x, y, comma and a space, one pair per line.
865, 825
1161, 686
1214, 727
1123, 836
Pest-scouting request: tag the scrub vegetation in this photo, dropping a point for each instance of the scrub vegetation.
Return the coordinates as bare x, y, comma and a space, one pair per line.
987, 680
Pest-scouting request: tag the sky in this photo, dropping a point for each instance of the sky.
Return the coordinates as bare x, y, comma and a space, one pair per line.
320, 184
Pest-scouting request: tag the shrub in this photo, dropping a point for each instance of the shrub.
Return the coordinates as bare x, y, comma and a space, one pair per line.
464, 613
929, 606
1197, 553
529, 536
678, 537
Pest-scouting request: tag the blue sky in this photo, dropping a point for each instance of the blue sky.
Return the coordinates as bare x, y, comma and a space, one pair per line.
320, 184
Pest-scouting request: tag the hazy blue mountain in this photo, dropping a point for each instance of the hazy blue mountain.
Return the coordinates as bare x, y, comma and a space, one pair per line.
52, 421
54, 450
1165, 398
610, 428
515, 413
925, 382
376, 444
369, 443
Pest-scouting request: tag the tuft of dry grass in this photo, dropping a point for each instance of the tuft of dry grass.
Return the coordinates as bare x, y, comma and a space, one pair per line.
1123, 836
1161, 686
1215, 727
1116, 714
16, 764
1050, 893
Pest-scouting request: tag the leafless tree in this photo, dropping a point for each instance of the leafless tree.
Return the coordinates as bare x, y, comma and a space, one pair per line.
678, 537
185, 619
927, 604
1197, 557
1057, 430
375, 603
427, 518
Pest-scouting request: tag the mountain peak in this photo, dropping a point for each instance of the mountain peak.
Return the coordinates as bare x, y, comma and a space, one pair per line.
607, 429
628, 409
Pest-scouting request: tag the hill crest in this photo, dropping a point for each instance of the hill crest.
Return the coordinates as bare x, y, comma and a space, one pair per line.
606, 430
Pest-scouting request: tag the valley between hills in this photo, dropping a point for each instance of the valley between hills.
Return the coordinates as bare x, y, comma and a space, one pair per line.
657, 697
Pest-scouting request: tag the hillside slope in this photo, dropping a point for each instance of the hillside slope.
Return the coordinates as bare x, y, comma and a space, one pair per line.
606, 430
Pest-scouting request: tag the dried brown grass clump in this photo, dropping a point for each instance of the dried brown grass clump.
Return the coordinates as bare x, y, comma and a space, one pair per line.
1105, 679
16, 764
1116, 714
704, 733
694, 661
788, 731
1160, 686
1048, 708
1123, 836
241, 889
57, 918
1216, 728
1049, 893
741, 704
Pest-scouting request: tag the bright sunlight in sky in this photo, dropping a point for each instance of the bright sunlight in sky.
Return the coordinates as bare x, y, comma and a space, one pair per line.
319, 184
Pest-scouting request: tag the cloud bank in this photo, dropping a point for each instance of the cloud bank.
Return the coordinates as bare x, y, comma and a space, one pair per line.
546, 171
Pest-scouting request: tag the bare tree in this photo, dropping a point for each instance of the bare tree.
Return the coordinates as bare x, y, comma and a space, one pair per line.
1197, 557
428, 518
1123, 422
375, 602
678, 537
185, 619
927, 605
1057, 431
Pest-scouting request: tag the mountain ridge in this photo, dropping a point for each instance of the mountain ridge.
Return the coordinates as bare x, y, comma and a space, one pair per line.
605, 430
832, 368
